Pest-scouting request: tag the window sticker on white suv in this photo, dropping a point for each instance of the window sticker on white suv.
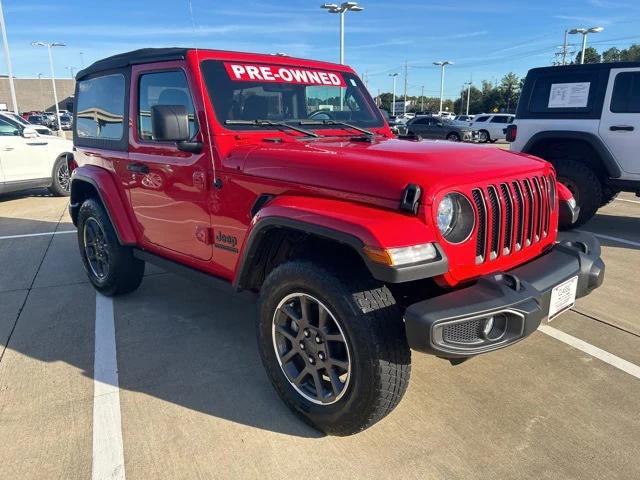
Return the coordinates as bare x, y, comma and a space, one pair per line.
569, 95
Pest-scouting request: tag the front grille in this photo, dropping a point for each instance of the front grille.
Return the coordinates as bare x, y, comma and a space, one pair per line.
512, 216
463, 332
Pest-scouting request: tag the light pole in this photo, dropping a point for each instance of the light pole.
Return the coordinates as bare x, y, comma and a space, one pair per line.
468, 84
393, 103
584, 32
422, 99
53, 76
342, 9
442, 64
7, 58
72, 70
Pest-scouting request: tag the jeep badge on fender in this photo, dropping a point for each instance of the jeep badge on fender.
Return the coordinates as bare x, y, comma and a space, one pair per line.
358, 246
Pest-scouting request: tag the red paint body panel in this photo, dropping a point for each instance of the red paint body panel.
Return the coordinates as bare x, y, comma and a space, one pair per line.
335, 182
374, 226
110, 194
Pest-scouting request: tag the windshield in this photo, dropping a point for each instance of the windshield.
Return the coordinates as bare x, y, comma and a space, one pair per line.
242, 92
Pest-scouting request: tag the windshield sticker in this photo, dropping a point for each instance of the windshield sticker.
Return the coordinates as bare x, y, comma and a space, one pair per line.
569, 95
279, 74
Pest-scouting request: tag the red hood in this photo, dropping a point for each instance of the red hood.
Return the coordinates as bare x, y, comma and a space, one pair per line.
382, 168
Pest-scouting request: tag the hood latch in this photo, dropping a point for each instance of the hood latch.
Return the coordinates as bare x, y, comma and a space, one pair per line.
410, 198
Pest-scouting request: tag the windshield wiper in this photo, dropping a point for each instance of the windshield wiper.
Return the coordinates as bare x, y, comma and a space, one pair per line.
369, 133
270, 123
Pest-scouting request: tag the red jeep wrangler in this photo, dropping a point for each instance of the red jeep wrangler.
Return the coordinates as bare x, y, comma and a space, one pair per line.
279, 178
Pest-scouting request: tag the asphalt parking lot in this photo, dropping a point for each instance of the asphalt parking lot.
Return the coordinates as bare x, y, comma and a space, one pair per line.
194, 401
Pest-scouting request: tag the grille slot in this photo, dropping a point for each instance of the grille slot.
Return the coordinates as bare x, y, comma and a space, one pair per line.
520, 214
481, 243
468, 332
531, 211
496, 219
508, 218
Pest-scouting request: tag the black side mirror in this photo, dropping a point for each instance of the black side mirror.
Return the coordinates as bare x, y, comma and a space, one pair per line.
170, 123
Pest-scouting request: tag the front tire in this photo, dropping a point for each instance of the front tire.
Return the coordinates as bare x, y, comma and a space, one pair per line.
111, 267
333, 345
60, 178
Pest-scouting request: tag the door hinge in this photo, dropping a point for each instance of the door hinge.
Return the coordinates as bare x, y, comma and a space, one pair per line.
205, 235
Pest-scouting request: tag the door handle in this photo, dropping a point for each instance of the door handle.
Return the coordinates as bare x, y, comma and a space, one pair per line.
623, 128
138, 168
7, 149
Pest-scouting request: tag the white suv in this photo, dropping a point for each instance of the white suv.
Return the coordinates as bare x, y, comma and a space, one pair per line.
30, 160
585, 120
491, 127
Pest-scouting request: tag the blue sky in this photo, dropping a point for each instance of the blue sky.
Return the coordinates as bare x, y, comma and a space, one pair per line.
485, 38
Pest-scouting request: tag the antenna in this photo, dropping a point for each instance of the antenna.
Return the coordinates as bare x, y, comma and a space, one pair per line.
202, 96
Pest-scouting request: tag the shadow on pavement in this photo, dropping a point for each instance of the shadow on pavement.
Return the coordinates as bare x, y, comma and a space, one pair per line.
196, 347
35, 192
176, 341
626, 228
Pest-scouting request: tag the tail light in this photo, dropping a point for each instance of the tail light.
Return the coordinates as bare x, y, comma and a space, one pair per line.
512, 133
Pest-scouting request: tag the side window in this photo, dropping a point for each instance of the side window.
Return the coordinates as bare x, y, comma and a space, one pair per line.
163, 88
498, 119
626, 93
8, 130
100, 107
482, 119
421, 121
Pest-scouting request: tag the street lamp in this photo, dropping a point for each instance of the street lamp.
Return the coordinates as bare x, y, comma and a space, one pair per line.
442, 64
7, 57
342, 9
393, 103
584, 32
72, 70
468, 84
53, 77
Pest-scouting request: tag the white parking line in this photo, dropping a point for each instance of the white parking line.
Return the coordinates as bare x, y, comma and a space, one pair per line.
626, 200
108, 453
615, 239
9, 237
592, 350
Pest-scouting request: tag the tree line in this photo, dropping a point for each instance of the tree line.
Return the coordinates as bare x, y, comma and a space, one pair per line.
502, 96
490, 97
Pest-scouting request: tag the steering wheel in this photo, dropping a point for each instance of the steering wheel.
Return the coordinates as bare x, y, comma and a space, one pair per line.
321, 115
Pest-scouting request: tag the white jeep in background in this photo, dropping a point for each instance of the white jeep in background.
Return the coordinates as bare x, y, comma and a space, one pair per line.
585, 120
491, 127
30, 160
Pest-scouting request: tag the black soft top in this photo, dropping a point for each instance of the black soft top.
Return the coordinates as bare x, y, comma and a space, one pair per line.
143, 55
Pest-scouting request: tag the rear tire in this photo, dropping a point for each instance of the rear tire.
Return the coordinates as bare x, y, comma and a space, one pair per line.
363, 330
583, 184
483, 136
453, 137
60, 178
111, 267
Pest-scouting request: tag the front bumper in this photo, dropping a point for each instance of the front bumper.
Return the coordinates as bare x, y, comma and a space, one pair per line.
454, 325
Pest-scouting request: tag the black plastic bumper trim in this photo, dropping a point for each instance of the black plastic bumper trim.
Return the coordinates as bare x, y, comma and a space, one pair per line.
525, 291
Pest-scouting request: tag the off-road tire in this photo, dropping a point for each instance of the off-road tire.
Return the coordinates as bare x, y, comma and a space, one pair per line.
585, 186
125, 272
486, 139
608, 195
453, 137
372, 324
57, 187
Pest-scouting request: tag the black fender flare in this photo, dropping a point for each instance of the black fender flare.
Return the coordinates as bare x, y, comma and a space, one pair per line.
608, 162
384, 273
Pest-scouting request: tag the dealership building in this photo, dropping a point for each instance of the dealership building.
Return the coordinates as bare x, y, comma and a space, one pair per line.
37, 94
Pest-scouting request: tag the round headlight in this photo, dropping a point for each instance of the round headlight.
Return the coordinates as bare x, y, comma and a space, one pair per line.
455, 217
446, 215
